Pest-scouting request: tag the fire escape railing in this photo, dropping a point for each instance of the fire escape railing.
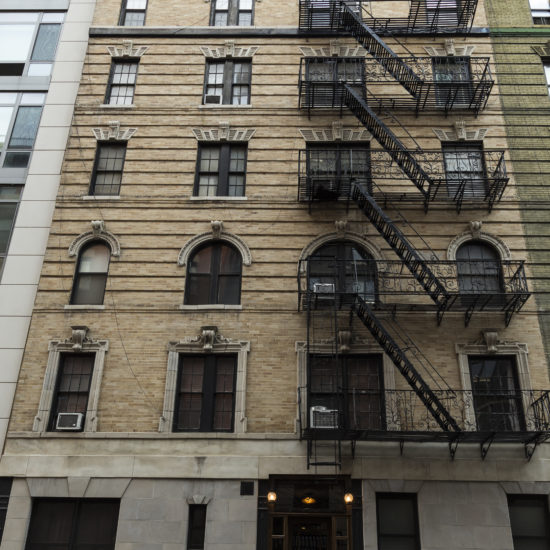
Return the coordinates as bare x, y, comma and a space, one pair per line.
415, 16
470, 286
516, 415
477, 176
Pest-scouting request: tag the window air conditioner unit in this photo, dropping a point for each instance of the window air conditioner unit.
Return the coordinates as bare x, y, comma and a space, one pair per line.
69, 421
323, 288
321, 417
213, 99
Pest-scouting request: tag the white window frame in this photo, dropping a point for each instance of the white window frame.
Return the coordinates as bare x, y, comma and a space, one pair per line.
517, 350
209, 341
79, 343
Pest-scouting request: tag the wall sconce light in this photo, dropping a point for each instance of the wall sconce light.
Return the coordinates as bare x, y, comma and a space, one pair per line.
271, 496
348, 498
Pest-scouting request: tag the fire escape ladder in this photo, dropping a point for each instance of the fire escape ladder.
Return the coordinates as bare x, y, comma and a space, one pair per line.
405, 366
381, 52
389, 141
403, 248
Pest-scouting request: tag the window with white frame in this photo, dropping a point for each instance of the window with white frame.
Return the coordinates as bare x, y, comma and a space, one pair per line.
28, 42
205, 384
540, 11
19, 119
227, 82
133, 13
232, 12
72, 381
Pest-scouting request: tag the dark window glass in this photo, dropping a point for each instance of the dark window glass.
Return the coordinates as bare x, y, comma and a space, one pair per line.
7, 217
133, 13
540, 11
497, 401
108, 168
324, 73
91, 275
25, 128
332, 170
227, 82
5, 490
214, 276
206, 393
73, 524
231, 12
197, 527
529, 521
221, 171
353, 390
478, 266
16, 159
442, 13
46, 42
465, 170
122, 83
73, 385
11, 69
453, 81
397, 519
346, 266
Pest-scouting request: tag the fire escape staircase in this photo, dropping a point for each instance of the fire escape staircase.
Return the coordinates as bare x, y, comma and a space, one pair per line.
402, 247
404, 365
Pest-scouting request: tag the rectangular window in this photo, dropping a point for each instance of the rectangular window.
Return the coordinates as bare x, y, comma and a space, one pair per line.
28, 42
122, 83
221, 170
19, 119
496, 395
9, 201
333, 168
453, 81
109, 164
529, 521
73, 524
197, 527
540, 11
73, 385
228, 82
354, 392
442, 13
133, 13
5, 490
232, 12
397, 519
465, 170
205, 397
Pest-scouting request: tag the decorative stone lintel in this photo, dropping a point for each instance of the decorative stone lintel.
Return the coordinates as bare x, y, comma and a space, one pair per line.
199, 499
460, 132
229, 51
335, 49
544, 50
344, 341
98, 232
78, 337
450, 49
341, 226
127, 50
223, 133
337, 132
114, 132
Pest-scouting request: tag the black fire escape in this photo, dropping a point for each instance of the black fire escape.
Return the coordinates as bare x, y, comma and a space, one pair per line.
420, 413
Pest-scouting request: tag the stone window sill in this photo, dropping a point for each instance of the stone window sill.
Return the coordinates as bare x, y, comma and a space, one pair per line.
206, 307
80, 307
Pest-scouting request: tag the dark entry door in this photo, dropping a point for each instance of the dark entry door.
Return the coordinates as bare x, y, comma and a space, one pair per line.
310, 533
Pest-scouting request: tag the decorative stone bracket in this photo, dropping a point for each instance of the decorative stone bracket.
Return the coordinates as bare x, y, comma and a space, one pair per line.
127, 50
449, 50
113, 132
543, 51
336, 49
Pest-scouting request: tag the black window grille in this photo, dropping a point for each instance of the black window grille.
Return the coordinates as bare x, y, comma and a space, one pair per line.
122, 83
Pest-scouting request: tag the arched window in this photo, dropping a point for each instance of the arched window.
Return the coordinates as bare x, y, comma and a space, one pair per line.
346, 266
214, 275
91, 274
478, 266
